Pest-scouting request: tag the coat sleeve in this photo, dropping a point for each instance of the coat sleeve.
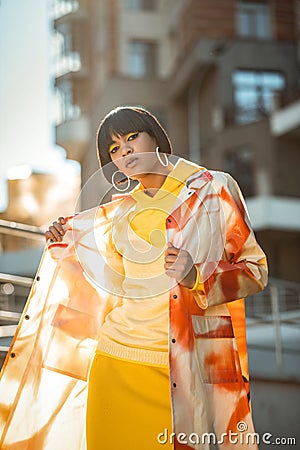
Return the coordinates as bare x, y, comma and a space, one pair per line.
242, 268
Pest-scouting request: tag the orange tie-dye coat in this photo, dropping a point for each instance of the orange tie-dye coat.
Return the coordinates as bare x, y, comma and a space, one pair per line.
43, 386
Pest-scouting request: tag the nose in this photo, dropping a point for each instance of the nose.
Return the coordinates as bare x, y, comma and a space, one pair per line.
126, 149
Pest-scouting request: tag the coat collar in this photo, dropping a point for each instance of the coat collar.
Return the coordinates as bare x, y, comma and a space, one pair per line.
194, 182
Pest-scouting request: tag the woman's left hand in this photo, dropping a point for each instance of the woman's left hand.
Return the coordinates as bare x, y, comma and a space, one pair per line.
180, 265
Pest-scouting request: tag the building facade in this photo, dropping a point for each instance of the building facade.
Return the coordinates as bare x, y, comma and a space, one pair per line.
216, 73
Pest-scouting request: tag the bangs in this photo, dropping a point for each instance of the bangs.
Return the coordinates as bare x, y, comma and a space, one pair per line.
120, 123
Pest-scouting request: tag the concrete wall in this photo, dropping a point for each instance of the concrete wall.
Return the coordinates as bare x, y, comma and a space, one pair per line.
282, 249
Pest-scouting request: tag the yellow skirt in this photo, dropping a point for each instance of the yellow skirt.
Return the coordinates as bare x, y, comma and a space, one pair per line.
128, 405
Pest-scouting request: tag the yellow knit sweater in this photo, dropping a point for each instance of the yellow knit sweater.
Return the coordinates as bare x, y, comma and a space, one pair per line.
139, 325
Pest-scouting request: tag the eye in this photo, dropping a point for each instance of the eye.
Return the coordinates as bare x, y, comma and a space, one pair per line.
132, 136
113, 149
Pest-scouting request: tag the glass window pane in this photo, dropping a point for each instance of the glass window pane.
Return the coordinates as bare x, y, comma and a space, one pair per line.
142, 59
141, 5
133, 4
244, 78
267, 100
137, 59
254, 93
273, 80
246, 99
253, 19
243, 24
263, 25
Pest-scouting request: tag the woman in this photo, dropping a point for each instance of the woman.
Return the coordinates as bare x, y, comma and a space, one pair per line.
176, 255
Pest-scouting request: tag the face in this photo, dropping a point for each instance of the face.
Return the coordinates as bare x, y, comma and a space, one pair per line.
134, 154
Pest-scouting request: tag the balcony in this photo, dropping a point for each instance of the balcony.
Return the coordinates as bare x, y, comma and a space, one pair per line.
74, 136
67, 10
286, 121
273, 331
274, 213
60, 8
67, 64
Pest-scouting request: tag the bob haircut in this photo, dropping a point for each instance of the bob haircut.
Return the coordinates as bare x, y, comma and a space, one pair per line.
124, 120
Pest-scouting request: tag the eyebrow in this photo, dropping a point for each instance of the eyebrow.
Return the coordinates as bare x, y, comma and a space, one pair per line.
120, 135
110, 143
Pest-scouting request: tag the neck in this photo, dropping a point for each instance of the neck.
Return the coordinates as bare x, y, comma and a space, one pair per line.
152, 182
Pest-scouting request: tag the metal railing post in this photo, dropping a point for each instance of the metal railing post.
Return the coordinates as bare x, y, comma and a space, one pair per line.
276, 322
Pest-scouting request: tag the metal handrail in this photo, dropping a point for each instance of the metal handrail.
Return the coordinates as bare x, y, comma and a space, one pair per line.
7, 330
262, 310
285, 283
16, 279
10, 316
277, 306
21, 229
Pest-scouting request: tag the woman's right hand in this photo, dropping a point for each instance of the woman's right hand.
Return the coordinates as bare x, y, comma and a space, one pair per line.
56, 231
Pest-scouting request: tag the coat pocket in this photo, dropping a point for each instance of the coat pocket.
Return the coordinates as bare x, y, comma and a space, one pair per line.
72, 343
214, 346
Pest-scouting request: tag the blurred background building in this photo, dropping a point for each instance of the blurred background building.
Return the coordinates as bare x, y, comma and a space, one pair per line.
223, 78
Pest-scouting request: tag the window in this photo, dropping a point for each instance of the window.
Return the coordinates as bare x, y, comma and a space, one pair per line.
254, 93
240, 164
141, 5
253, 20
142, 59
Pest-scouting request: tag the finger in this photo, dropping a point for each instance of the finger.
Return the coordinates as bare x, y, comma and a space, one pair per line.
59, 228
171, 250
55, 233
171, 258
62, 220
169, 266
49, 236
171, 274
180, 268
169, 245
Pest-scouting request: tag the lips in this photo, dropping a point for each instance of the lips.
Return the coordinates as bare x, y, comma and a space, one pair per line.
130, 161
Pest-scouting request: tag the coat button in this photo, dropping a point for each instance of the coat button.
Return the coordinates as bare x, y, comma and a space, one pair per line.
174, 385
173, 340
12, 355
174, 296
27, 317
169, 220
38, 278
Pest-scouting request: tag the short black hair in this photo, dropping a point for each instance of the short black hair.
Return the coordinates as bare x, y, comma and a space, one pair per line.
124, 120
